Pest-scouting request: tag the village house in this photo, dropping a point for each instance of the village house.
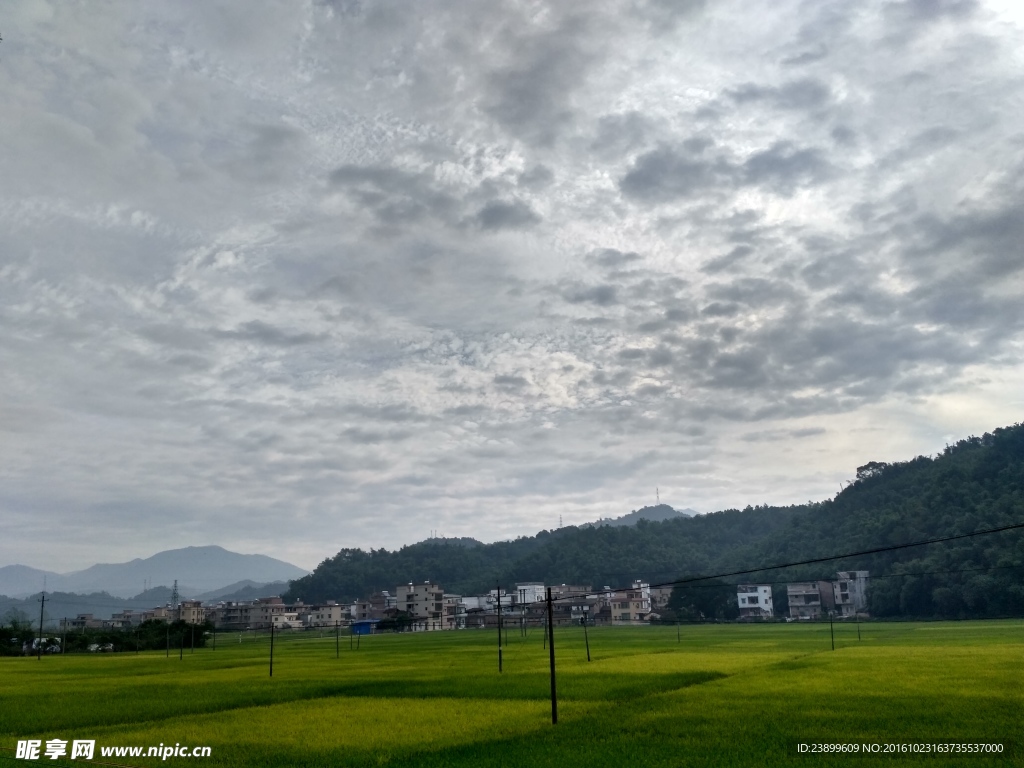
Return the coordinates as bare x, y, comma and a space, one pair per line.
755, 601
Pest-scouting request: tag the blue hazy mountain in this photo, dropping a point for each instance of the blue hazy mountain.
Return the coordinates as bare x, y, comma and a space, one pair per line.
197, 570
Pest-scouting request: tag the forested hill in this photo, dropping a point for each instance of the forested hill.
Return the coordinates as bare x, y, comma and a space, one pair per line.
976, 484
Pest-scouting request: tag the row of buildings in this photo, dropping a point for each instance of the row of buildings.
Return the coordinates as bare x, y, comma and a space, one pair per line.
846, 596
421, 607
427, 607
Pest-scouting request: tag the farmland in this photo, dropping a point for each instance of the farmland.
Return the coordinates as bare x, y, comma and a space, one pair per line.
716, 694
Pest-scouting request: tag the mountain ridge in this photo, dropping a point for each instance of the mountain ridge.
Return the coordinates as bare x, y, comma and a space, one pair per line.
206, 568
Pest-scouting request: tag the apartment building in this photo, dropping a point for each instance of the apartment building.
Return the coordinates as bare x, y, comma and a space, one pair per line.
630, 606
191, 612
808, 599
424, 603
529, 592
329, 615
850, 592
660, 597
755, 601
454, 612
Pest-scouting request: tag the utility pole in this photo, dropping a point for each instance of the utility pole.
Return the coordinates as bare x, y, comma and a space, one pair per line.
168, 641
193, 638
499, 629
64, 637
551, 655
181, 648
586, 638
858, 630
337, 639
677, 633
39, 650
271, 648
831, 631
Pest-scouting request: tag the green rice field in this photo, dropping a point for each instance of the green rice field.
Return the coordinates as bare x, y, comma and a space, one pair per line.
731, 695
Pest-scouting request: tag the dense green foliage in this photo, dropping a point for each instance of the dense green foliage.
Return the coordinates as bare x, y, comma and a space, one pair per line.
973, 485
729, 695
152, 635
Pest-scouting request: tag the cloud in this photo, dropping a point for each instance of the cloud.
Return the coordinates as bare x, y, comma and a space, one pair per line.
350, 272
500, 214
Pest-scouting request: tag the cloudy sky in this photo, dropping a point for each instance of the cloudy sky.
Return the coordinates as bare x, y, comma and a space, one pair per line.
288, 277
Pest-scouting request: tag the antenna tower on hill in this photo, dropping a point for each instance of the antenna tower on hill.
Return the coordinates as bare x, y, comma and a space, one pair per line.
174, 595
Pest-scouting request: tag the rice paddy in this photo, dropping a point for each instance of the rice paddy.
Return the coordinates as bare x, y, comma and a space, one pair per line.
733, 695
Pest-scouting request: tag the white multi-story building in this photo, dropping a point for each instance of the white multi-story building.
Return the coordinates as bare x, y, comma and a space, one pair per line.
329, 615
755, 601
530, 592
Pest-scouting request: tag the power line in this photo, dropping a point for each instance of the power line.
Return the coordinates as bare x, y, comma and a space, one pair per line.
811, 561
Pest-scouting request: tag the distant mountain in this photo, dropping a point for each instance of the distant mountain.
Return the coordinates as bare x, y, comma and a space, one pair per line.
656, 514
244, 590
67, 605
18, 581
203, 568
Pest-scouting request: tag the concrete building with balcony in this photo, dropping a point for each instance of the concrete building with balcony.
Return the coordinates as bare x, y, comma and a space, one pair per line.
328, 615
810, 599
454, 612
191, 612
630, 606
424, 603
850, 593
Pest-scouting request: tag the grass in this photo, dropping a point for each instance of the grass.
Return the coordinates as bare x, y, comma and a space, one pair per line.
724, 695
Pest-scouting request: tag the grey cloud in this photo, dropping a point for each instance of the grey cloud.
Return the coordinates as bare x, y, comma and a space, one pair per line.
721, 309
804, 94
930, 10
536, 178
530, 95
510, 382
602, 295
667, 174
620, 134
395, 196
361, 436
779, 435
501, 214
263, 333
612, 258
806, 57
727, 261
783, 167
754, 291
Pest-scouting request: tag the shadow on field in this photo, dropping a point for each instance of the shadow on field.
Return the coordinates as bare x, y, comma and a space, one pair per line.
529, 686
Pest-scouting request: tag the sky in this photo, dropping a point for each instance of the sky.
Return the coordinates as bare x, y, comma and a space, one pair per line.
289, 277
